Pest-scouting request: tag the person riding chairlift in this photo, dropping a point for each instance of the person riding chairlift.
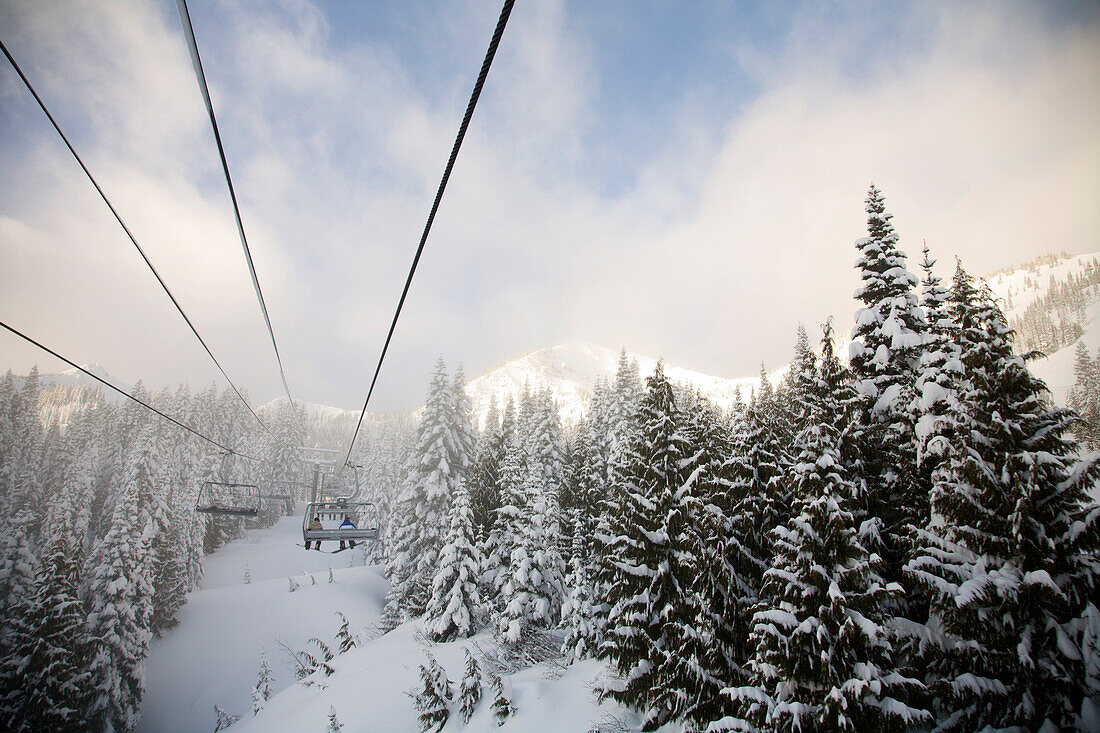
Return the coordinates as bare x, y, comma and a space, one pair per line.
314, 526
347, 524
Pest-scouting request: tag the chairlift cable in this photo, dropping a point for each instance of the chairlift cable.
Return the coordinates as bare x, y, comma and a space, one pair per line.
489, 54
196, 61
126, 394
133, 239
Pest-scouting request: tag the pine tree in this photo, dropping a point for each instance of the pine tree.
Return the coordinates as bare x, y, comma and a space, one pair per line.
533, 588
888, 340
470, 692
484, 475
224, 719
823, 658
455, 601
655, 635
121, 592
577, 612
432, 701
1009, 559
53, 648
334, 724
502, 698
436, 468
261, 691
507, 519
1084, 398
758, 502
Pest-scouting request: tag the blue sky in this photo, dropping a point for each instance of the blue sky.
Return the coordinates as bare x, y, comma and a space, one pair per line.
683, 179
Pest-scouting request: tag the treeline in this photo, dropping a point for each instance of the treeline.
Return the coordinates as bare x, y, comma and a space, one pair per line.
902, 543
100, 541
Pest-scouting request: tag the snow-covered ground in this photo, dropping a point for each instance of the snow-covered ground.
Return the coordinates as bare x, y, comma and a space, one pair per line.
212, 657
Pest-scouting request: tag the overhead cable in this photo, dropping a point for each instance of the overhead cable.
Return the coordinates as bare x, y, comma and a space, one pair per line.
133, 239
196, 61
489, 54
124, 393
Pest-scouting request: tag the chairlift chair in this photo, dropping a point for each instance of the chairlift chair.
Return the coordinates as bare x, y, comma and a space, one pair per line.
229, 499
331, 514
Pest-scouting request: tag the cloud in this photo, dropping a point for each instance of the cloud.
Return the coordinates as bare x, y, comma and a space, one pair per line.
734, 223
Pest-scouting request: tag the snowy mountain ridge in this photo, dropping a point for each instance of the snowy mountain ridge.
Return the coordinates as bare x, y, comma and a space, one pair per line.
570, 372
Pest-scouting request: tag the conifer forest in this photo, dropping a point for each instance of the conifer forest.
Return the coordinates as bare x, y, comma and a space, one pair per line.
901, 535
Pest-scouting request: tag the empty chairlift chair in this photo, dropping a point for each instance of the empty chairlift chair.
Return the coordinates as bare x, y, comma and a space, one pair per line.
229, 499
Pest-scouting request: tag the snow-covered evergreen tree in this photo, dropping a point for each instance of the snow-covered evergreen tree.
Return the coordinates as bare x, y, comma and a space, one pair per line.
502, 698
577, 611
887, 343
120, 592
433, 700
507, 518
437, 466
54, 650
758, 503
823, 656
455, 602
1010, 556
657, 636
261, 691
469, 693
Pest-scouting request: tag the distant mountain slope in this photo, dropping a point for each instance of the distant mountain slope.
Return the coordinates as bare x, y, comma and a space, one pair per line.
76, 378
1021, 287
571, 370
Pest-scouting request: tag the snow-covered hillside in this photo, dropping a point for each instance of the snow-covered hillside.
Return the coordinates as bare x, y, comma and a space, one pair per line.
1019, 288
213, 656
312, 409
571, 370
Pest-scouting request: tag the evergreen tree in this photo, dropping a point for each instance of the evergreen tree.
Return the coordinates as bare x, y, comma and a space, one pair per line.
888, 340
502, 698
534, 585
433, 699
261, 691
577, 611
823, 658
758, 503
334, 724
484, 476
455, 601
1084, 397
54, 651
436, 468
507, 519
120, 592
1009, 559
470, 692
656, 635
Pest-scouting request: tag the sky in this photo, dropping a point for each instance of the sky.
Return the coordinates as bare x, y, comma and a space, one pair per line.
685, 180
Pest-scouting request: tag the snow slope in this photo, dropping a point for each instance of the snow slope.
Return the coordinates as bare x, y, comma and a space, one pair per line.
1023, 286
213, 656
